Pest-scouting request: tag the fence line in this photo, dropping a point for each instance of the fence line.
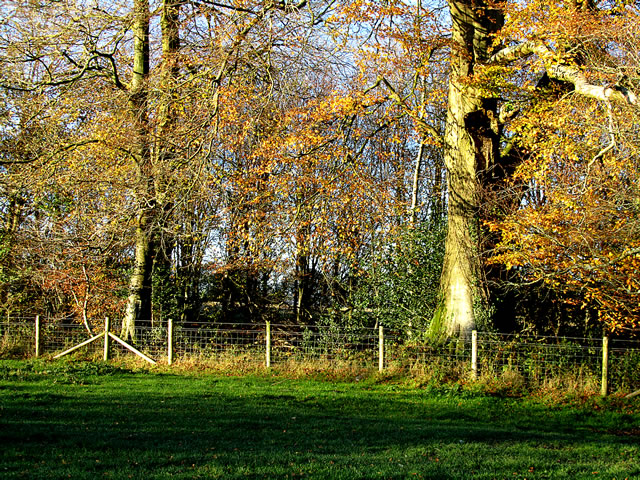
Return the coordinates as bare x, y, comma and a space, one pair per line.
615, 364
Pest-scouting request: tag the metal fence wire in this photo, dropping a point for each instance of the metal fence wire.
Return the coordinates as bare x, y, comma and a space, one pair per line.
538, 357
533, 359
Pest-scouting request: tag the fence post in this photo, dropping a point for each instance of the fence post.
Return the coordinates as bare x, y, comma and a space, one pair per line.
107, 327
474, 354
604, 389
268, 346
380, 348
37, 336
169, 341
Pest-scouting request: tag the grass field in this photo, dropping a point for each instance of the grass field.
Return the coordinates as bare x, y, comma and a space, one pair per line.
92, 420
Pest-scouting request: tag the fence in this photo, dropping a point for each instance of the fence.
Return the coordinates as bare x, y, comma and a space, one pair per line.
613, 363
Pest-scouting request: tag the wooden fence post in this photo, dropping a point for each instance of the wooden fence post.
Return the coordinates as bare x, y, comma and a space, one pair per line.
268, 345
474, 354
604, 388
380, 348
107, 327
37, 336
169, 341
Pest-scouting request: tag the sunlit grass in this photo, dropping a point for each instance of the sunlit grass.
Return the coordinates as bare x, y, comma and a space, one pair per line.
91, 420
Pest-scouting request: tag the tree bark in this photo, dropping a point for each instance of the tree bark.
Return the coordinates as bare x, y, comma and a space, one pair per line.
166, 290
471, 147
138, 311
138, 308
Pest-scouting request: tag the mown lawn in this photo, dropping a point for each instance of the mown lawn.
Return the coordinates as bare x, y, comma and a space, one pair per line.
82, 420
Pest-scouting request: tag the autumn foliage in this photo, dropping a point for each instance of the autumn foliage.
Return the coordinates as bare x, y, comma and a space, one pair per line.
232, 160
576, 223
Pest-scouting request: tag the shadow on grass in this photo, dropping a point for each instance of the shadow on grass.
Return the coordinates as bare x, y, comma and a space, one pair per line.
148, 426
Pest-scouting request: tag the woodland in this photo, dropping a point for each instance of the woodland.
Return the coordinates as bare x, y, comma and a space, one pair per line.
440, 165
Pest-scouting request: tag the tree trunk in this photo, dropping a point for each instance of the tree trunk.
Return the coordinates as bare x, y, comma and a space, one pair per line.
138, 311
302, 288
413, 208
166, 288
303, 270
151, 170
139, 300
471, 147
188, 259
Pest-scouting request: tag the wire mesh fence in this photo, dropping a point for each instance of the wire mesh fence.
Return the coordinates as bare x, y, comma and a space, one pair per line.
538, 357
532, 359
326, 343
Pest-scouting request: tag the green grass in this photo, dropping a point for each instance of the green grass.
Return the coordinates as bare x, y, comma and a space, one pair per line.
92, 420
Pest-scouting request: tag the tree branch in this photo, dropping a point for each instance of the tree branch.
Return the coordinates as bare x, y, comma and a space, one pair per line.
393, 95
565, 73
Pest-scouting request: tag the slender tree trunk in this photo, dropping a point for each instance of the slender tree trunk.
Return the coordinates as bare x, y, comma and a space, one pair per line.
471, 146
139, 300
302, 293
151, 170
438, 192
165, 284
11, 221
138, 311
413, 209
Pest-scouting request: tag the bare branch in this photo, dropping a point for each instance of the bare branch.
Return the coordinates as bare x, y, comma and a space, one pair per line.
393, 95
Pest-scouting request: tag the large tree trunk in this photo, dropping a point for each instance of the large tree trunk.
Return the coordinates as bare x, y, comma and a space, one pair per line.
471, 147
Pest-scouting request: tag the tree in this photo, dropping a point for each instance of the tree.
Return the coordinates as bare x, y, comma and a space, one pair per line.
576, 231
157, 122
60, 255
471, 146
476, 129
